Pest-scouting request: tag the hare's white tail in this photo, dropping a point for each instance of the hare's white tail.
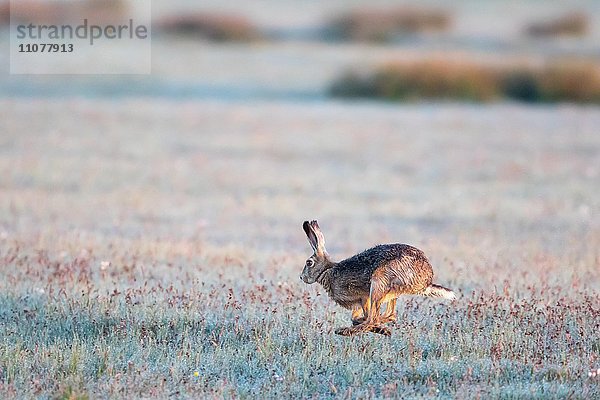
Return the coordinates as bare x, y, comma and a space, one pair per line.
438, 291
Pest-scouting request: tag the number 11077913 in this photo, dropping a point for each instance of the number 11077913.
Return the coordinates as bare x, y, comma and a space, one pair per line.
46, 48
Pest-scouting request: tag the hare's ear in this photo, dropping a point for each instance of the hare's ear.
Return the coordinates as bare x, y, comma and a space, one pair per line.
312, 238
315, 237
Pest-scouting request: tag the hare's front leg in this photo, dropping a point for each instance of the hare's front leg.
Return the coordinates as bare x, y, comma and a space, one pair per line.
359, 315
360, 312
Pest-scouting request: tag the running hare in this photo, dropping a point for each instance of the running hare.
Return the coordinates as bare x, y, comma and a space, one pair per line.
367, 281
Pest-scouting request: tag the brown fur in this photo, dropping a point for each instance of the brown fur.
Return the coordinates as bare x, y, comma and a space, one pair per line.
370, 280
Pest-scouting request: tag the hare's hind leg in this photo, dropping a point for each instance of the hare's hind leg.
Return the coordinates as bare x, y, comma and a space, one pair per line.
377, 298
362, 324
390, 312
373, 309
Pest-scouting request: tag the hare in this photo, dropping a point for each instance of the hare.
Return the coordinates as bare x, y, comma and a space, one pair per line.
364, 283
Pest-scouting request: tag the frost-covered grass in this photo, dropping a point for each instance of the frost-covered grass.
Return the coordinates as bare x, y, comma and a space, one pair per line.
63, 333
152, 249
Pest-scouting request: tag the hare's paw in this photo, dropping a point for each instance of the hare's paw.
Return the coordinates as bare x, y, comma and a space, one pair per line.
382, 330
345, 331
385, 320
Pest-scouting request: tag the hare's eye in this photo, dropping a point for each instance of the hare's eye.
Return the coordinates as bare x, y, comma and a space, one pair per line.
309, 263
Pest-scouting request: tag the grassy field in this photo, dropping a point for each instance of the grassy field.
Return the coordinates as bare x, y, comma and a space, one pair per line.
151, 248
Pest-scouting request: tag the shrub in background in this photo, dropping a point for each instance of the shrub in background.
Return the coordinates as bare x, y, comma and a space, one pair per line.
64, 11
210, 26
470, 81
436, 79
571, 81
572, 24
384, 24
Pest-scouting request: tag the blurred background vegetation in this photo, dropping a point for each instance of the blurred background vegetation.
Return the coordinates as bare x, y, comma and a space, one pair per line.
402, 51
